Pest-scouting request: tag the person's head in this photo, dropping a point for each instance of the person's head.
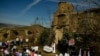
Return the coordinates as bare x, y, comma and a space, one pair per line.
32, 50
20, 51
39, 52
4, 47
36, 52
24, 49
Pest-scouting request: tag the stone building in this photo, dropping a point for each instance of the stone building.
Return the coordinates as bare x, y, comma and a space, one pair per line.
62, 19
89, 21
7, 34
66, 18
32, 32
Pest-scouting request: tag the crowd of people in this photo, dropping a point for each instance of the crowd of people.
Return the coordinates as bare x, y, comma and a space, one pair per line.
18, 47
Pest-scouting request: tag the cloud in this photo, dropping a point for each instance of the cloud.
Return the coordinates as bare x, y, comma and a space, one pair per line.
29, 6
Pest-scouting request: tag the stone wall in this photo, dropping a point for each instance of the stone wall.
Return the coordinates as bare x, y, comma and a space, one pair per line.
65, 18
62, 19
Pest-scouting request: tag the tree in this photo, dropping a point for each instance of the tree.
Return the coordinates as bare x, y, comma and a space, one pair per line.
44, 37
63, 45
91, 32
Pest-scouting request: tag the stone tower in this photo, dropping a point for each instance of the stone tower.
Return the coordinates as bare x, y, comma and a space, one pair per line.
61, 19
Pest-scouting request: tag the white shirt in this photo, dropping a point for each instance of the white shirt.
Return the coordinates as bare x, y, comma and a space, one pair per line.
39, 55
28, 51
53, 48
56, 54
60, 54
66, 54
20, 54
35, 54
17, 39
27, 40
6, 52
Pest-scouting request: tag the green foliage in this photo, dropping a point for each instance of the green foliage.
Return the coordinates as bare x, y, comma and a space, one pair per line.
63, 45
44, 37
69, 35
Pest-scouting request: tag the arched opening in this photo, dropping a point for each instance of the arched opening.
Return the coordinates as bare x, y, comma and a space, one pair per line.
5, 35
29, 32
61, 21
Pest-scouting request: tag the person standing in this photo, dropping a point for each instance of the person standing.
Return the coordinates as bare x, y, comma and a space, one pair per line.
32, 53
35, 54
39, 54
53, 48
6, 52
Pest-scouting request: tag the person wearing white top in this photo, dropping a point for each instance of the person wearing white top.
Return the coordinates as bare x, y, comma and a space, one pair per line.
27, 40
17, 39
56, 54
39, 54
20, 54
35, 54
53, 48
66, 54
6, 52
79, 52
88, 53
60, 54
28, 51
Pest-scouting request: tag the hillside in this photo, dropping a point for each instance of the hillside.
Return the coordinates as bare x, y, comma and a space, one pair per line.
3, 25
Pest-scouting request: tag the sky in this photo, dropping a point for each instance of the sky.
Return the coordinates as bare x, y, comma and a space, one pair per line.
25, 12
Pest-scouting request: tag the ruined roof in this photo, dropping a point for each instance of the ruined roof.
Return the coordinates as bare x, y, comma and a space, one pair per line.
95, 10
